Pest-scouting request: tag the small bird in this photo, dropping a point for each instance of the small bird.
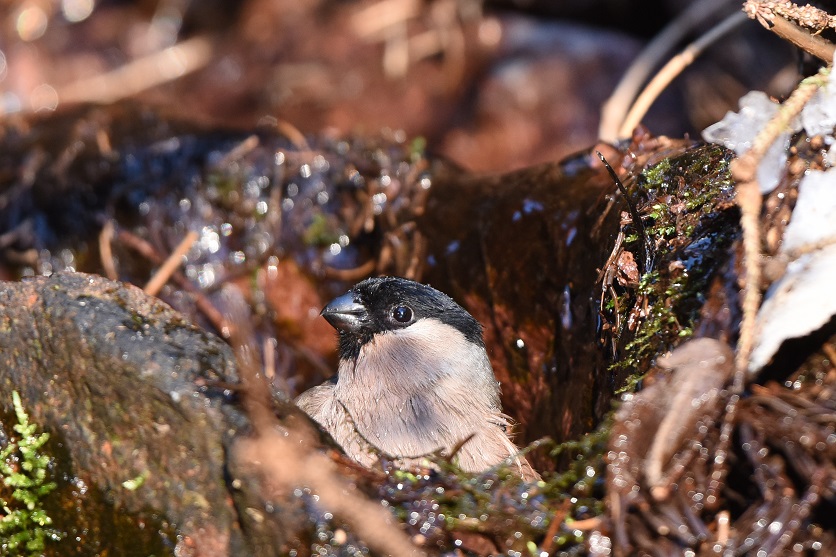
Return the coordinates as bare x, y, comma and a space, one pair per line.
413, 378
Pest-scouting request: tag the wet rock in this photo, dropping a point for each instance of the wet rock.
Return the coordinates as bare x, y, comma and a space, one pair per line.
138, 406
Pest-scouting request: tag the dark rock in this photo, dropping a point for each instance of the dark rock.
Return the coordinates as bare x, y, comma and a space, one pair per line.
129, 392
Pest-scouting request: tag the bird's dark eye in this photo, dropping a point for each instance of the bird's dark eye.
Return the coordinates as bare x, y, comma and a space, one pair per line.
402, 314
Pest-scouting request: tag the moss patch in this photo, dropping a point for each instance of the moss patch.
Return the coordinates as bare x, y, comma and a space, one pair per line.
686, 203
25, 526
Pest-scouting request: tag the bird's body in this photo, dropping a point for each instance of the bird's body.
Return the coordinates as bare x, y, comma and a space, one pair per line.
413, 378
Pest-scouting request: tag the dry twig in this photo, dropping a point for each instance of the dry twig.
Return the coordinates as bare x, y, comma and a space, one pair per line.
614, 109
105, 251
776, 17
238, 152
203, 304
168, 267
748, 198
141, 74
672, 69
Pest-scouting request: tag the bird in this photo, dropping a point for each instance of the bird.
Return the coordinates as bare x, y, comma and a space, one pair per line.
413, 379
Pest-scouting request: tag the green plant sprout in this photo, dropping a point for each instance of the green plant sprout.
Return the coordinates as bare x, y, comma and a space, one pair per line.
23, 469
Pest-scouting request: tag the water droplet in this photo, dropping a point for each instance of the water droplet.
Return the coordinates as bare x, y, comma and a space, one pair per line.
77, 10
209, 240
206, 276
43, 97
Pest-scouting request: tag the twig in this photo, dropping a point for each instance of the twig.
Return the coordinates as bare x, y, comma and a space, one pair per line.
241, 150
458, 447
723, 527
170, 265
748, 198
547, 546
140, 245
284, 461
203, 304
616, 106
587, 524
672, 69
295, 136
141, 74
772, 15
106, 252
372, 21
268, 351
644, 240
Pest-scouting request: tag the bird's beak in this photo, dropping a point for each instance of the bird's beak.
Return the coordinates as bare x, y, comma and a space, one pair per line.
344, 314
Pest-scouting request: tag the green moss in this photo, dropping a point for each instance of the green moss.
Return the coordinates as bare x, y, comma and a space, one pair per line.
39, 349
688, 215
447, 502
225, 184
23, 469
135, 483
417, 149
656, 175
320, 232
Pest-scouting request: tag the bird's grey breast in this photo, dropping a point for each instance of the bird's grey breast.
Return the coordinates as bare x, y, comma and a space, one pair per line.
419, 389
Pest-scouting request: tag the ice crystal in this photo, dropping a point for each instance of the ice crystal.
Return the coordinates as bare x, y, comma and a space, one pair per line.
737, 131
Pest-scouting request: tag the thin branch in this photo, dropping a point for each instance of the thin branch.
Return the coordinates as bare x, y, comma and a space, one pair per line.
772, 15
748, 198
238, 152
170, 265
644, 240
350, 275
106, 251
141, 74
612, 113
672, 69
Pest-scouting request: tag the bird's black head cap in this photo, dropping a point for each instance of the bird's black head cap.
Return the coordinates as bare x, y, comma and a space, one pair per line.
380, 305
